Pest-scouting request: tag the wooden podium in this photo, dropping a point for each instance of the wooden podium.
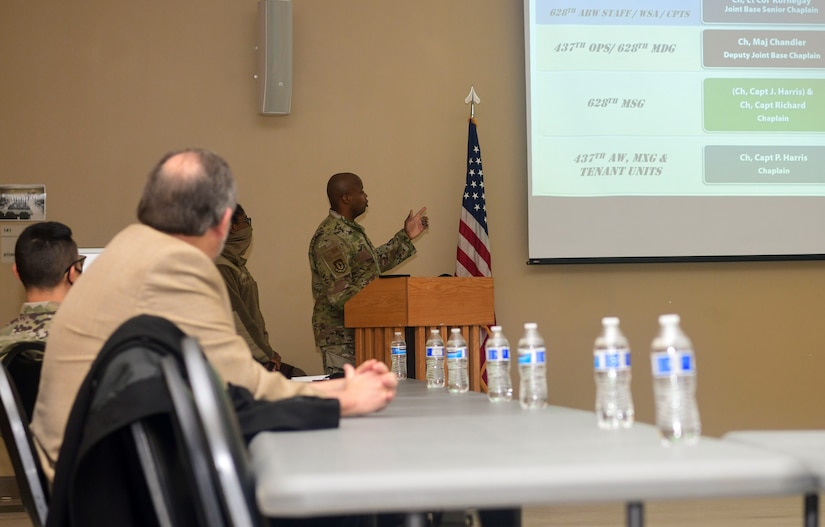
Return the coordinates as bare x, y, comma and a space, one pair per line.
415, 305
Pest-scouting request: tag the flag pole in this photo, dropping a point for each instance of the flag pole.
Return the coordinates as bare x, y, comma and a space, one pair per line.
473, 99
473, 253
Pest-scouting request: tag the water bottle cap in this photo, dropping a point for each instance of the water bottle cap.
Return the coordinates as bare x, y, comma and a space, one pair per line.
397, 333
434, 331
610, 321
495, 329
456, 330
669, 320
530, 325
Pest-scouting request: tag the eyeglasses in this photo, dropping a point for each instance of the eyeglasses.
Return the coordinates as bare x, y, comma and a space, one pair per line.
78, 266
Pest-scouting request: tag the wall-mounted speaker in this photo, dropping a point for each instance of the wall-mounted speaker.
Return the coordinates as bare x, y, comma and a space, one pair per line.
274, 51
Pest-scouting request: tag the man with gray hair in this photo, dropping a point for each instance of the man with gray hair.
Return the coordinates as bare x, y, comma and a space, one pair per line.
164, 267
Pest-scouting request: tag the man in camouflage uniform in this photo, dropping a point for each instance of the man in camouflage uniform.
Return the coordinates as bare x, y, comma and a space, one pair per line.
243, 294
46, 261
343, 261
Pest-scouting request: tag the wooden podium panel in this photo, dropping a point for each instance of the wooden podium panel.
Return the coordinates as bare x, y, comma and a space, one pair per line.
398, 303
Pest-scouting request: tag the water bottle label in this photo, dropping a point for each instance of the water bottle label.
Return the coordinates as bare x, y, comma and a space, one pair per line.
611, 360
497, 354
435, 351
680, 363
528, 356
395, 350
457, 353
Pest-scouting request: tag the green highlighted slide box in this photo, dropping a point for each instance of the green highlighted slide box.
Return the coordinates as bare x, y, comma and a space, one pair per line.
764, 105
769, 164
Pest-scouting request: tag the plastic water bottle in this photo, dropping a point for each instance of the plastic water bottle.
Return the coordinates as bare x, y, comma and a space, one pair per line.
457, 377
674, 383
398, 352
497, 349
611, 365
435, 360
532, 369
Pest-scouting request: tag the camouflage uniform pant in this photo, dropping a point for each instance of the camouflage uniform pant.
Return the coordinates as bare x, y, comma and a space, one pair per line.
334, 358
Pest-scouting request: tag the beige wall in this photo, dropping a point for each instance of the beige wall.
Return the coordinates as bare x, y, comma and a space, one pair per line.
92, 92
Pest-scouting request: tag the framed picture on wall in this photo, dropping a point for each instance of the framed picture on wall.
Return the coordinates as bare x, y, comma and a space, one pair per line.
22, 202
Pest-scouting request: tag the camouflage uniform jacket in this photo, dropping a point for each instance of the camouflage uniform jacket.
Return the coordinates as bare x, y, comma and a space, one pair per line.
243, 294
343, 261
32, 324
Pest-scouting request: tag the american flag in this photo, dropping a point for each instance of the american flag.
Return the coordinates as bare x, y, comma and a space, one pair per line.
473, 254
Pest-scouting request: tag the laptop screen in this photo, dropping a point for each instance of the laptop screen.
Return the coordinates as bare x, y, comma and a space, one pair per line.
90, 253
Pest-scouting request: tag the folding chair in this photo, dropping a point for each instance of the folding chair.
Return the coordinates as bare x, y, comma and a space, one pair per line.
24, 361
14, 425
234, 481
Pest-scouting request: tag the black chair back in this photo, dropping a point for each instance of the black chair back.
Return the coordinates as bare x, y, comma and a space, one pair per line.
24, 362
159, 461
197, 460
229, 461
14, 426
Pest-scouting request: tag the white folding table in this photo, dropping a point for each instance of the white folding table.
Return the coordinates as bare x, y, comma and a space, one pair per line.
430, 450
806, 445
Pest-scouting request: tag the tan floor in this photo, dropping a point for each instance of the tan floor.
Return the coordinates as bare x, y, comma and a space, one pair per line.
757, 512
14, 519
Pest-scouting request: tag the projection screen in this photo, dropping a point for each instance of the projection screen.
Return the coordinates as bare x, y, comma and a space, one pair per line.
676, 130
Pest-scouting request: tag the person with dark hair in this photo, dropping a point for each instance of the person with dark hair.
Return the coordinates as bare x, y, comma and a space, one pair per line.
164, 266
47, 263
243, 293
343, 261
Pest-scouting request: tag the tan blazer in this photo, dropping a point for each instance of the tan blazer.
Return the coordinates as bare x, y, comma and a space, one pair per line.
142, 271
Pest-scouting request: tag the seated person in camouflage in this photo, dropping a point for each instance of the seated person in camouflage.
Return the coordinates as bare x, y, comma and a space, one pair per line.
343, 261
46, 261
243, 293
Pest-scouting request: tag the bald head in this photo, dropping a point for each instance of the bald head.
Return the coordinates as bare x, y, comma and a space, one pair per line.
346, 195
185, 165
187, 193
341, 184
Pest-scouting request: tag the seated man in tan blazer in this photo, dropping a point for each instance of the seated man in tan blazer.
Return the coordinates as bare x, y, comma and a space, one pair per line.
164, 266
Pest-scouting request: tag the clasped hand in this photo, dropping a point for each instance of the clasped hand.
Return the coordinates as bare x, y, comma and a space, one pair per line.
368, 388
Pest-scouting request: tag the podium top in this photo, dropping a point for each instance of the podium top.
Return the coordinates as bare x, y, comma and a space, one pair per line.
422, 301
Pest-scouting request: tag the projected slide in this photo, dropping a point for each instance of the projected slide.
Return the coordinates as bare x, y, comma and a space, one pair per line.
677, 98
